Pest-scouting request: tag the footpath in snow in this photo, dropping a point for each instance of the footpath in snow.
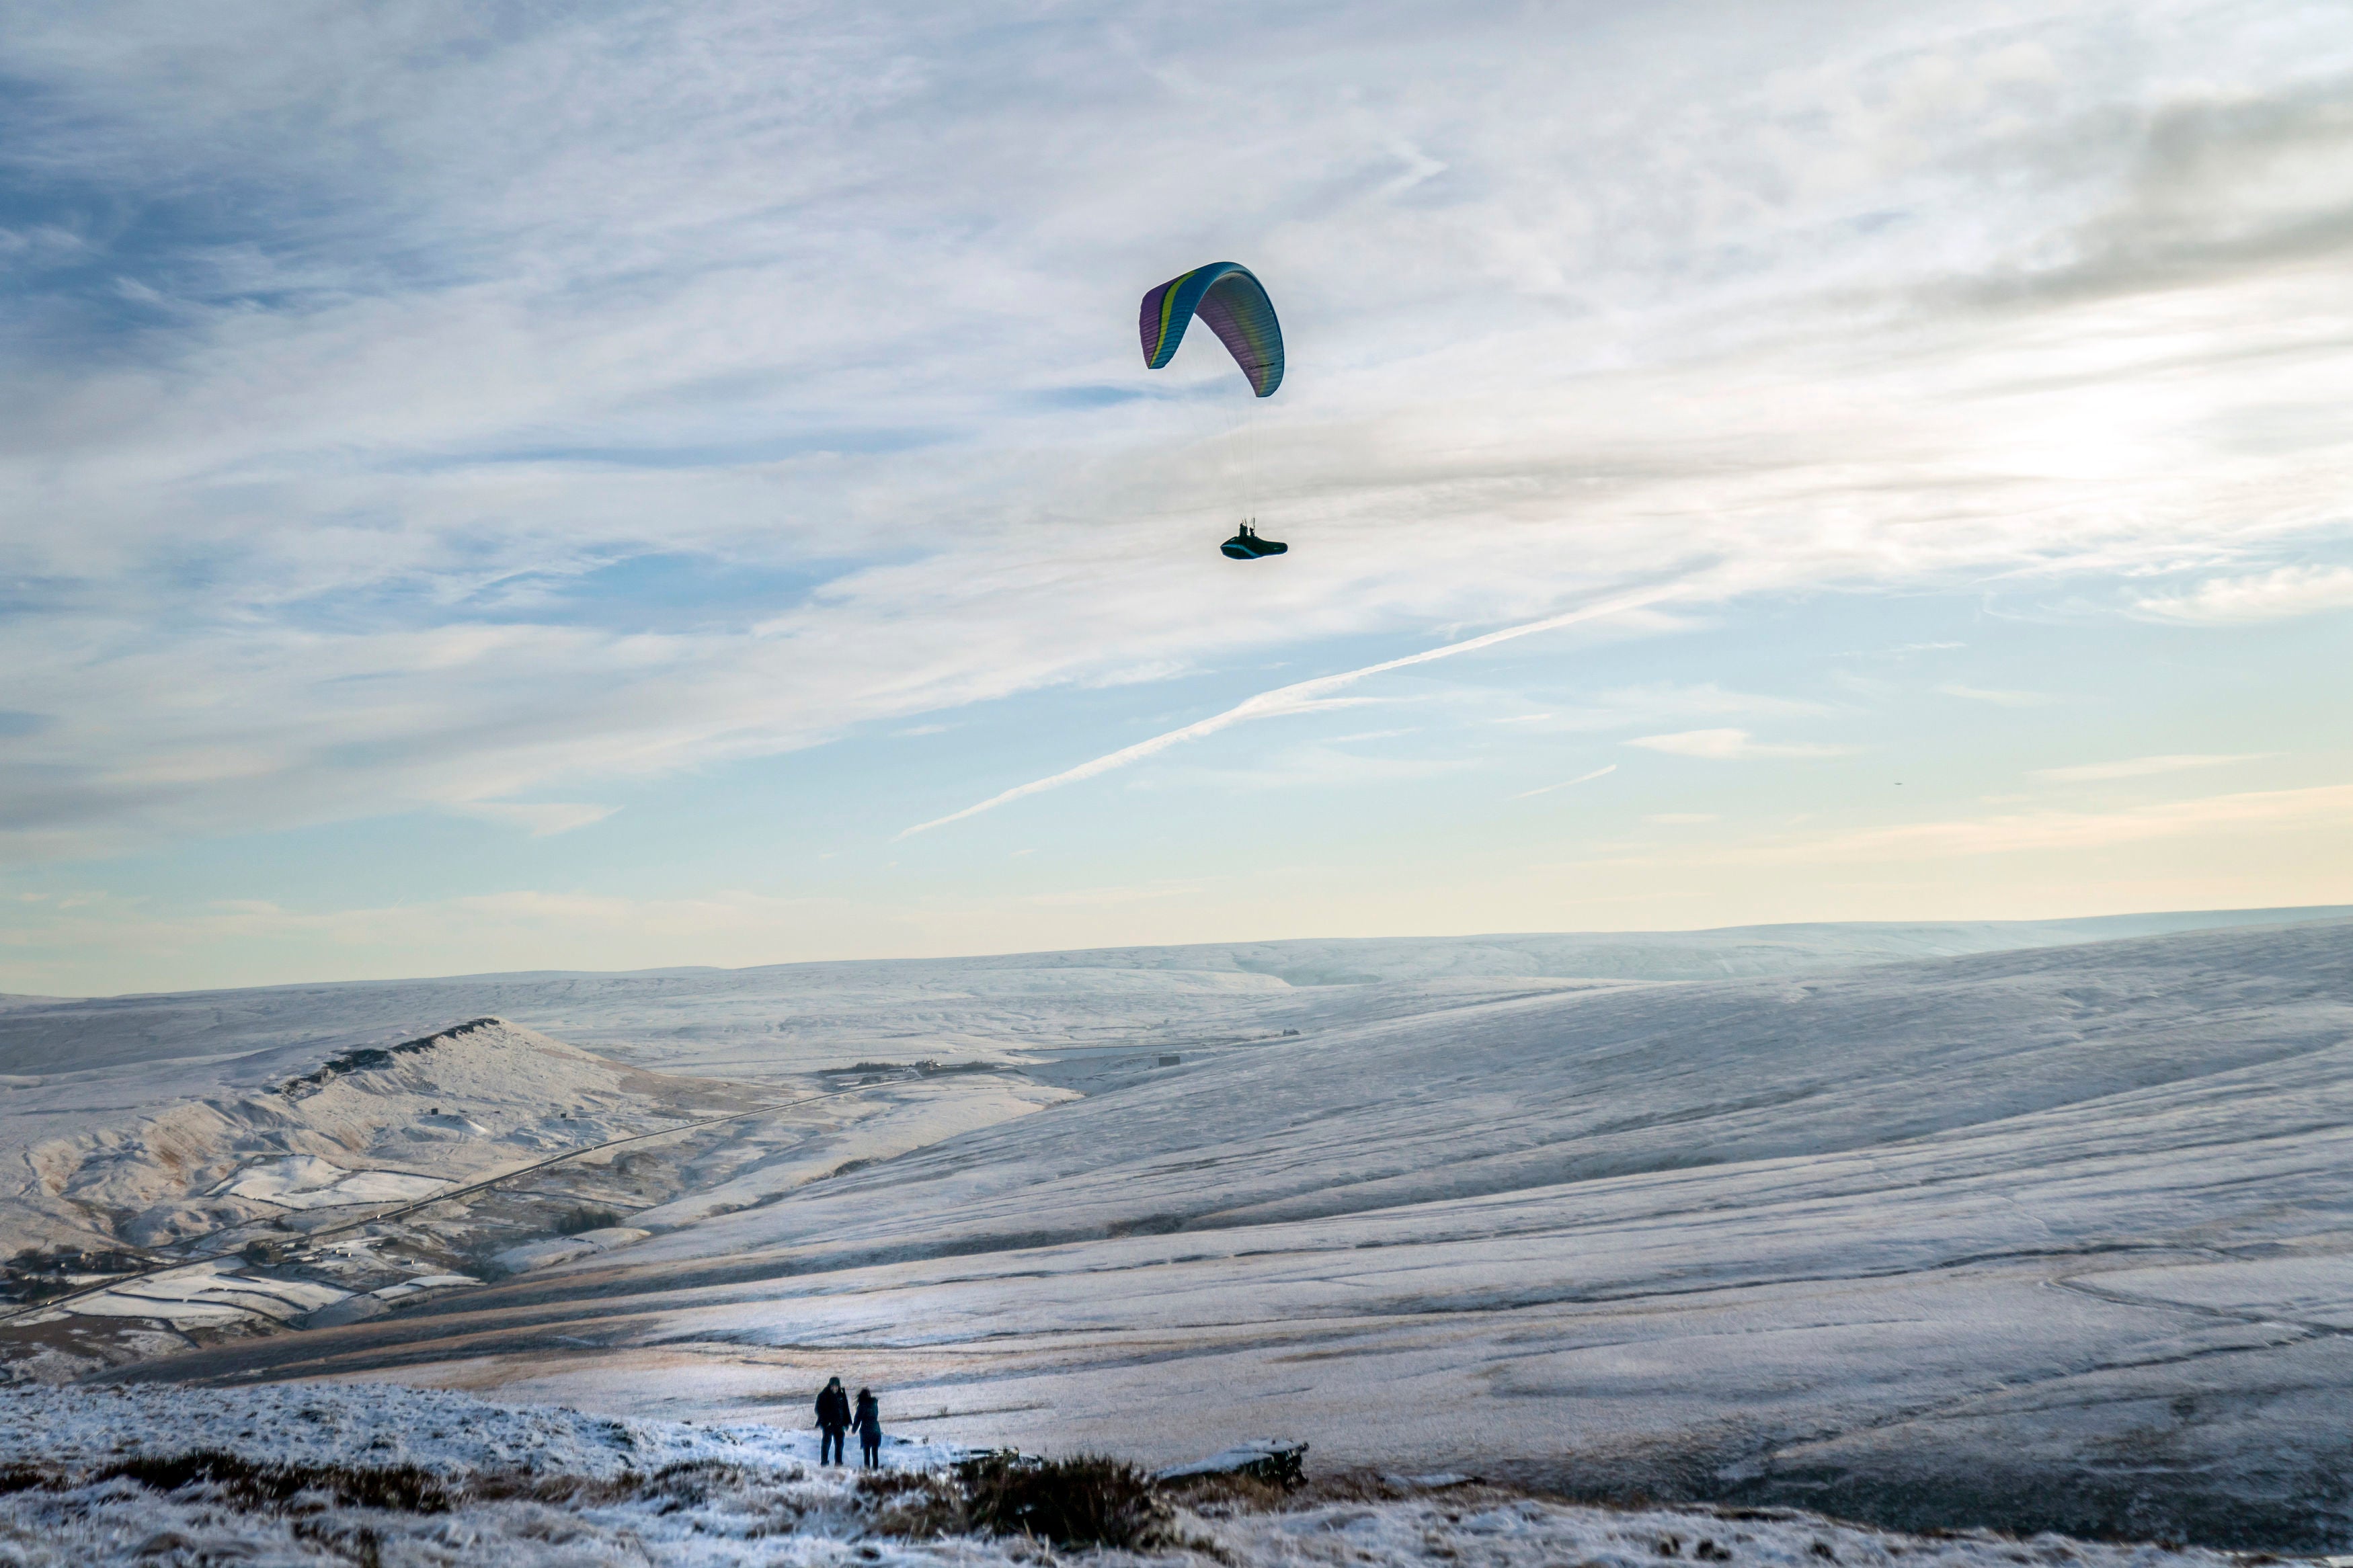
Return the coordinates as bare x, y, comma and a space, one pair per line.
388, 1476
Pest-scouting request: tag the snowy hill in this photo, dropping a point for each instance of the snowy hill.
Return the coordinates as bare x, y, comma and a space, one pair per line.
287, 1130
2054, 1236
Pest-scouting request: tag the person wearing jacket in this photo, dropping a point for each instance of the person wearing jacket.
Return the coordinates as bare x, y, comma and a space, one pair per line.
832, 1420
869, 1422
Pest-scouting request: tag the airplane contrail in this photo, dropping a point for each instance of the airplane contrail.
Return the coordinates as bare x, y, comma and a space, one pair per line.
1297, 698
1581, 778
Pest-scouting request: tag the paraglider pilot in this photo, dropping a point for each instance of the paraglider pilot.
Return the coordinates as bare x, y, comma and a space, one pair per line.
1248, 546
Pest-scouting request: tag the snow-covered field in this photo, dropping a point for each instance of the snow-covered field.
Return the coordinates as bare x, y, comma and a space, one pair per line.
442, 1479
1934, 1225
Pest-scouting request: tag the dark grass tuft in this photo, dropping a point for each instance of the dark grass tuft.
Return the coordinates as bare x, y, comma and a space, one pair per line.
912, 1504
240, 1482
403, 1489
1086, 1501
21, 1478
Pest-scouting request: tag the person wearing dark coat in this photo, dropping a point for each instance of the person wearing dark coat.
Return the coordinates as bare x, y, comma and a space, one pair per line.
869, 1423
833, 1420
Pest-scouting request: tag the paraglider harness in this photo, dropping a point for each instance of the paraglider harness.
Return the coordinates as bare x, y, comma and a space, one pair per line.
1248, 546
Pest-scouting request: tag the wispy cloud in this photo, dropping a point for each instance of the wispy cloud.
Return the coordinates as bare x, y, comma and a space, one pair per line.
2037, 832
1308, 767
2262, 597
1733, 745
2054, 830
2143, 767
1652, 702
539, 819
1567, 784
1997, 697
1299, 697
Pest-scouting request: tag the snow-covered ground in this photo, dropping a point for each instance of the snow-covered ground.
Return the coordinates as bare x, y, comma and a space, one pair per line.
156, 1121
468, 1482
2023, 1227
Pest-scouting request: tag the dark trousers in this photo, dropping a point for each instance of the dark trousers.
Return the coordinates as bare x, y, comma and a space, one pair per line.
829, 1450
872, 1449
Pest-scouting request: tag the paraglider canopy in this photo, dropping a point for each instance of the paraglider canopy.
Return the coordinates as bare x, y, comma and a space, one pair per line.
1234, 304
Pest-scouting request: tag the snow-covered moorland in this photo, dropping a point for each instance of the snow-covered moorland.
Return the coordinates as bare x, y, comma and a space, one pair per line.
396, 1477
195, 1129
1899, 1224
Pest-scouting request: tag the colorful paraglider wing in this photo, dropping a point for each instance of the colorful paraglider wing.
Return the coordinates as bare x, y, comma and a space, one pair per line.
1234, 304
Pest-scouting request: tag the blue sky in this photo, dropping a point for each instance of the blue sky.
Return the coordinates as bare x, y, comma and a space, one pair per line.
496, 487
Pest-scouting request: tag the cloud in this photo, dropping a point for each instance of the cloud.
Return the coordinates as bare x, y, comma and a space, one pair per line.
2143, 767
2264, 597
2035, 832
1997, 697
1311, 766
1681, 818
1707, 698
1651, 701
1140, 674
1568, 784
2221, 185
1731, 745
539, 819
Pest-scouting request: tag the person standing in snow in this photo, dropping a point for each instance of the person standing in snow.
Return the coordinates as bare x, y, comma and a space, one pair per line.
833, 1420
869, 1423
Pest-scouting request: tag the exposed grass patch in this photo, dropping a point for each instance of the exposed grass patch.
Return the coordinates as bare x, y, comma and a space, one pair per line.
586, 1218
243, 1484
1224, 1496
1086, 1501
